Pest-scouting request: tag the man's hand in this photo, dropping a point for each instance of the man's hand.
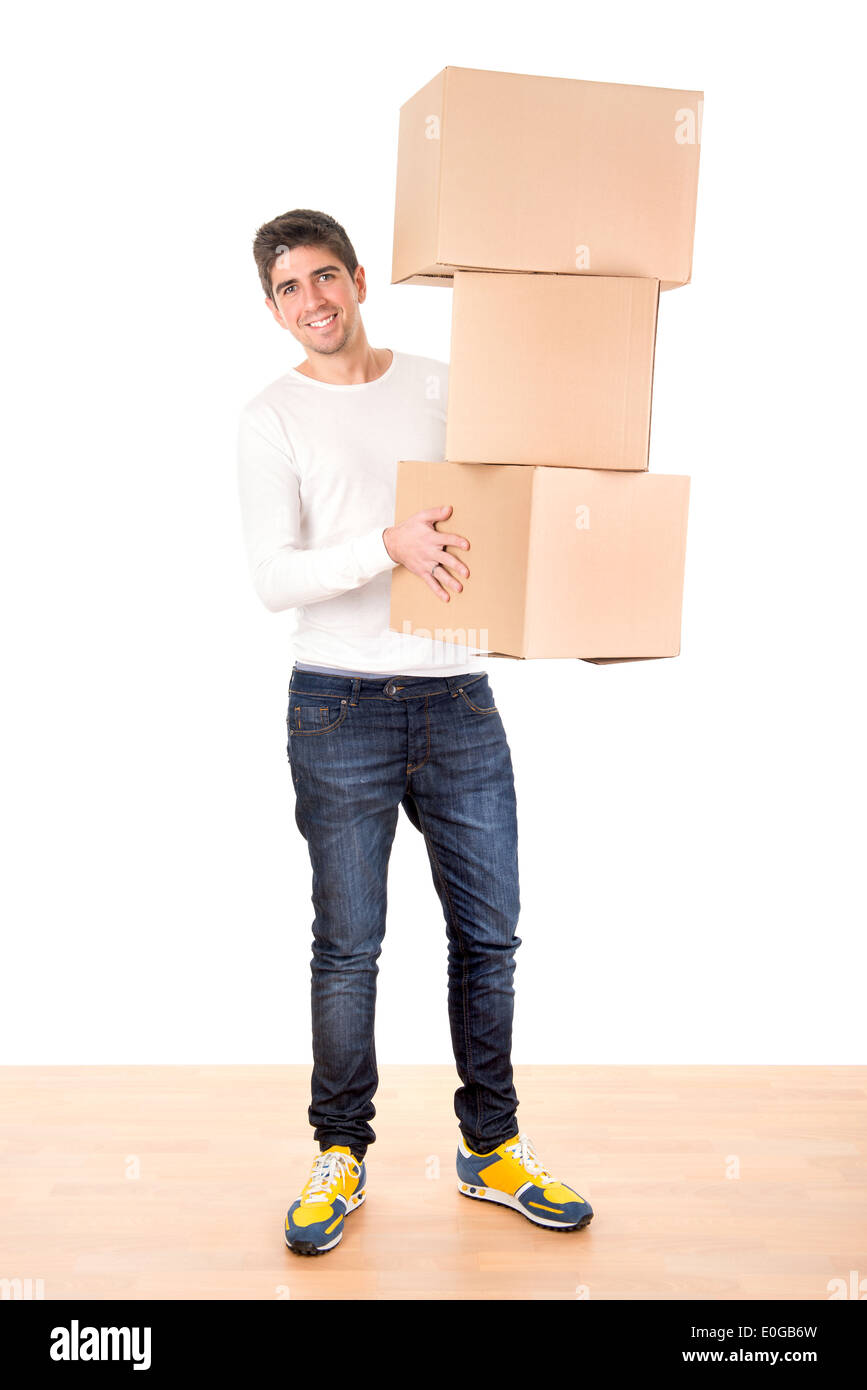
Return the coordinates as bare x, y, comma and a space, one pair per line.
417, 545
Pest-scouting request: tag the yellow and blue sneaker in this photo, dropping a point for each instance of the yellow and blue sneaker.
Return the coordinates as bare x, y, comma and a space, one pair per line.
314, 1222
513, 1176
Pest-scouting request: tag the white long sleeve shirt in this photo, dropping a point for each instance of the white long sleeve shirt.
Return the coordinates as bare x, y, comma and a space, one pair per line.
317, 471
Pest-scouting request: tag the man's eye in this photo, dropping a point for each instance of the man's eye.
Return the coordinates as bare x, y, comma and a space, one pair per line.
326, 275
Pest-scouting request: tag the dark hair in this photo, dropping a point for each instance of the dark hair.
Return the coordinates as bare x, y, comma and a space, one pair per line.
300, 227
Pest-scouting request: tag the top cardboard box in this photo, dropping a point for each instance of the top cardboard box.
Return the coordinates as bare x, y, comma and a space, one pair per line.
504, 171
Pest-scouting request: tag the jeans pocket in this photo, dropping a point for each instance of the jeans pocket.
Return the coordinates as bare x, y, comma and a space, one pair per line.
478, 696
311, 715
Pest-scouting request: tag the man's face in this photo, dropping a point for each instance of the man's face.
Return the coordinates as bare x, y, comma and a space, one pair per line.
316, 298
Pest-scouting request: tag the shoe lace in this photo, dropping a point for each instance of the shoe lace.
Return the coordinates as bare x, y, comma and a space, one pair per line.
522, 1150
327, 1168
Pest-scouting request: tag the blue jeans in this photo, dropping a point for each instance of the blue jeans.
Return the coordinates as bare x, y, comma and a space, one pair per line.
360, 748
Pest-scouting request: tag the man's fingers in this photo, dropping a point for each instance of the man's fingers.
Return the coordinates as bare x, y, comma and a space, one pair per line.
446, 579
448, 539
457, 566
432, 584
434, 514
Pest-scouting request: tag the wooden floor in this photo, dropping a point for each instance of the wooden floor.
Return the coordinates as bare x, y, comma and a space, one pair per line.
173, 1183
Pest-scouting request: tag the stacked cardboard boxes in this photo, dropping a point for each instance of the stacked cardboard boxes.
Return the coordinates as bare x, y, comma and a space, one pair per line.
557, 210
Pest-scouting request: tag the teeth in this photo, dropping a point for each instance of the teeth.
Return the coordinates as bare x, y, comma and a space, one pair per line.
319, 323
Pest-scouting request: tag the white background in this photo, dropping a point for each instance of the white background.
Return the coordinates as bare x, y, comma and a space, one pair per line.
691, 831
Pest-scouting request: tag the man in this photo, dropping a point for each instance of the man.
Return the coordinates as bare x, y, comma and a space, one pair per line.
378, 720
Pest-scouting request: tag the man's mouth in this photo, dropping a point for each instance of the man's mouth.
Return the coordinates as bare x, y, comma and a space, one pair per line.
319, 324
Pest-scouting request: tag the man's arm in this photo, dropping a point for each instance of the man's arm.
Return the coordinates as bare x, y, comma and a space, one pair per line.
283, 574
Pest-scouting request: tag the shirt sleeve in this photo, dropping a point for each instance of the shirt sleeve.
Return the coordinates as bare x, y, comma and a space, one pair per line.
284, 574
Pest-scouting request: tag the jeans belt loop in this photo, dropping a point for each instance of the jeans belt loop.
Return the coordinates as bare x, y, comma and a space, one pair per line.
356, 686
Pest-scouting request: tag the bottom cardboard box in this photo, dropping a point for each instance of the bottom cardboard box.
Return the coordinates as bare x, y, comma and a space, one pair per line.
564, 562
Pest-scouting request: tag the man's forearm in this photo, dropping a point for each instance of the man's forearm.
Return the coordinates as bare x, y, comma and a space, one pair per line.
292, 578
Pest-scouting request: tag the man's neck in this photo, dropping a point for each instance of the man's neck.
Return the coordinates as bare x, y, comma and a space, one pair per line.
342, 370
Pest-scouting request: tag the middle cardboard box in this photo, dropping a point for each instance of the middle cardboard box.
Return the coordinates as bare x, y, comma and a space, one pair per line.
551, 369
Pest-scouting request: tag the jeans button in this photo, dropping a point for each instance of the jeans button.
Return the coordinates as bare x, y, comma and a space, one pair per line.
389, 689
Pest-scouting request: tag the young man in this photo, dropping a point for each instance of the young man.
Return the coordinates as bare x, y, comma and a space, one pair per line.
378, 720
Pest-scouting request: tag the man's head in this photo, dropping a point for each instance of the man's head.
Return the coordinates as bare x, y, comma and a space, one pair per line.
310, 274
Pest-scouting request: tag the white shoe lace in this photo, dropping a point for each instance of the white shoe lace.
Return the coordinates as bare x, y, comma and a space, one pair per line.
525, 1154
326, 1168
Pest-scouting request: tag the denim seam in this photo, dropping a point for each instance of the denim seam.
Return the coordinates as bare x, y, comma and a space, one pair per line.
479, 677
319, 694
478, 709
415, 767
326, 728
465, 967
433, 695
388, 699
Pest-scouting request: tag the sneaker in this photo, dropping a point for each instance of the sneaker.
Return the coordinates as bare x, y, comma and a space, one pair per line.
513, 1176
314, 1222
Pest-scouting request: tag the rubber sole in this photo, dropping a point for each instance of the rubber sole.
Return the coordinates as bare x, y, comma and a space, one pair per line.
489, 1194
309, 1247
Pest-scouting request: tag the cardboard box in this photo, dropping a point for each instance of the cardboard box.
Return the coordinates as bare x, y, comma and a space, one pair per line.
551, 369
563, 562
506, 171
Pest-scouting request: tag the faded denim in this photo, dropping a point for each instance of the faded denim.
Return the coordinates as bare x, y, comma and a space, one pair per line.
359, 749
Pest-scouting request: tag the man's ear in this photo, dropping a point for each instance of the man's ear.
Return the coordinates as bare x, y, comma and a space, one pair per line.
360, 283
275, 311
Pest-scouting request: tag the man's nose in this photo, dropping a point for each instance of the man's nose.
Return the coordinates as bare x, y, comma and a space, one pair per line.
314, 299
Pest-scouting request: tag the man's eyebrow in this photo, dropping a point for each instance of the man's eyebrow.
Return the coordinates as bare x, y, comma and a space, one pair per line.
283, 283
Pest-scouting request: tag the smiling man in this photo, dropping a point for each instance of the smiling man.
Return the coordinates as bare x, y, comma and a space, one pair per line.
378, 720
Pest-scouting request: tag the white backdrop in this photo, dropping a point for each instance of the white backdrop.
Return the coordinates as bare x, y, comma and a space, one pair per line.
691, 830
